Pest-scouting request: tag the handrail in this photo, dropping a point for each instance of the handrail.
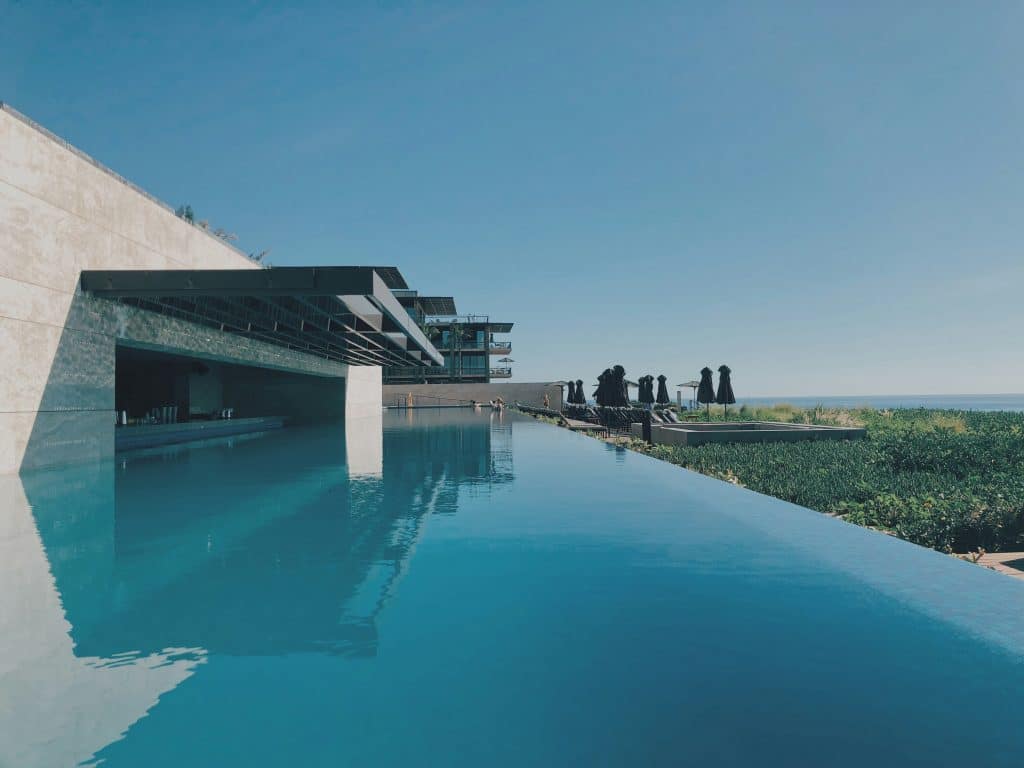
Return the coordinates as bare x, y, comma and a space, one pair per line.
401, 401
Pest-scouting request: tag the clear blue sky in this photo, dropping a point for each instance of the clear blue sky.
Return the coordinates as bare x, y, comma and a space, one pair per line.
829, 197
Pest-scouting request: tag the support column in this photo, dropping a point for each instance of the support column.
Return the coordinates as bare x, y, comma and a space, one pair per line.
363, 391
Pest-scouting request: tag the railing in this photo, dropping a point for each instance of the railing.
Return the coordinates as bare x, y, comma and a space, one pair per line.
472, 345
450, 319
501, 373
428, 401
413, 371
468, 346
435, 372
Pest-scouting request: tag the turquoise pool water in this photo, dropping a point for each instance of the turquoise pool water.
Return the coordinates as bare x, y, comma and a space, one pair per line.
452, 588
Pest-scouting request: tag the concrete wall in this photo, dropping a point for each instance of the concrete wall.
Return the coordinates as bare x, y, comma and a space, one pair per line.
61, 213
206, 391
300, 399
362, 391
701, 433
432, 394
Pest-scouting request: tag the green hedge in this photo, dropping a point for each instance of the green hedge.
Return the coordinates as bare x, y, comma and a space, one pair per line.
949, 480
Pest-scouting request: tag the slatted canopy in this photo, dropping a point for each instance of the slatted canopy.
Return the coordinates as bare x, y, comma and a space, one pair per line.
347, 314
437, 305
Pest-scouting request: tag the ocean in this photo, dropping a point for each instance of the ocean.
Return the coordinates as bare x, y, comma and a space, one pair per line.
954, 402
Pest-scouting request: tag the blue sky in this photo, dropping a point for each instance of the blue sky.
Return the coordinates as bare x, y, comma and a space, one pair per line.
829, 197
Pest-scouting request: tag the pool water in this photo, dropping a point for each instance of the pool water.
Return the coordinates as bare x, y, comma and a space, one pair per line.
463, 589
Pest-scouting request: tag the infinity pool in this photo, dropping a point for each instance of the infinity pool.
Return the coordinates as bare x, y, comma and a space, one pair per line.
460, 589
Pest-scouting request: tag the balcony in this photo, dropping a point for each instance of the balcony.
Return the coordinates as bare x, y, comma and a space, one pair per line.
501, 373
464, 346
418, 372
396, 374
455, 319
472, 345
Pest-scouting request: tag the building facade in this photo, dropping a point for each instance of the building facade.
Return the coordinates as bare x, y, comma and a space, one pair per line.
114, 309
475, 348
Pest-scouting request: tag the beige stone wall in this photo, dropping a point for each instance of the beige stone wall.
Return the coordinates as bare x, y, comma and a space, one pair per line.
452, 394
61, 213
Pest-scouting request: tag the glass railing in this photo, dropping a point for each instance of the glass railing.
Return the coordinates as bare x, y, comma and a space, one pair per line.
450, 319
471, 345
438, 372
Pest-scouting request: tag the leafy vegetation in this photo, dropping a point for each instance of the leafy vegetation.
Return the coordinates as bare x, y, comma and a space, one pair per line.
185, 212
951, 480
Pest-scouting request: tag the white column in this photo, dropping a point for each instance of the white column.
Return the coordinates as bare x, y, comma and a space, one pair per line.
363, 391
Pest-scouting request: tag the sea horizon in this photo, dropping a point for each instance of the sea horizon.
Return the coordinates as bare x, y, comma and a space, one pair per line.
960, 402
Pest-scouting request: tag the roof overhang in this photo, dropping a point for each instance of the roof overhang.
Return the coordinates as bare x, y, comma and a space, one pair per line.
347, 314
437, 305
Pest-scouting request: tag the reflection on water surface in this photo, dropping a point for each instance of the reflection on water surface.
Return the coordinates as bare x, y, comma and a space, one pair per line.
453, 587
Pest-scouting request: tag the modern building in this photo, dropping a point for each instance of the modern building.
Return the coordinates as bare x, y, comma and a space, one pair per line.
473, 346
119, 319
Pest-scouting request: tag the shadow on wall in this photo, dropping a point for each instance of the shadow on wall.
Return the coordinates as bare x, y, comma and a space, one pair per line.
301, 399
74, 419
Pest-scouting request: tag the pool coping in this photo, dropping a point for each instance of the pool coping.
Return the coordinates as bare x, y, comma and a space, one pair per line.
701, 433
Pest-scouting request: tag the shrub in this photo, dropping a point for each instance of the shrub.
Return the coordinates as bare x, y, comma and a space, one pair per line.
949, 480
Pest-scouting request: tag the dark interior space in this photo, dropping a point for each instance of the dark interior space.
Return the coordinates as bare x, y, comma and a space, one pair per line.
145, 380
205, 390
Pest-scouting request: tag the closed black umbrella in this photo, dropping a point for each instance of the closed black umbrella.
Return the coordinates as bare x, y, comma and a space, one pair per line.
571, 397
663, 398
601, 394
706, 388
646, 394
725, 396
581, 399
620, 393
